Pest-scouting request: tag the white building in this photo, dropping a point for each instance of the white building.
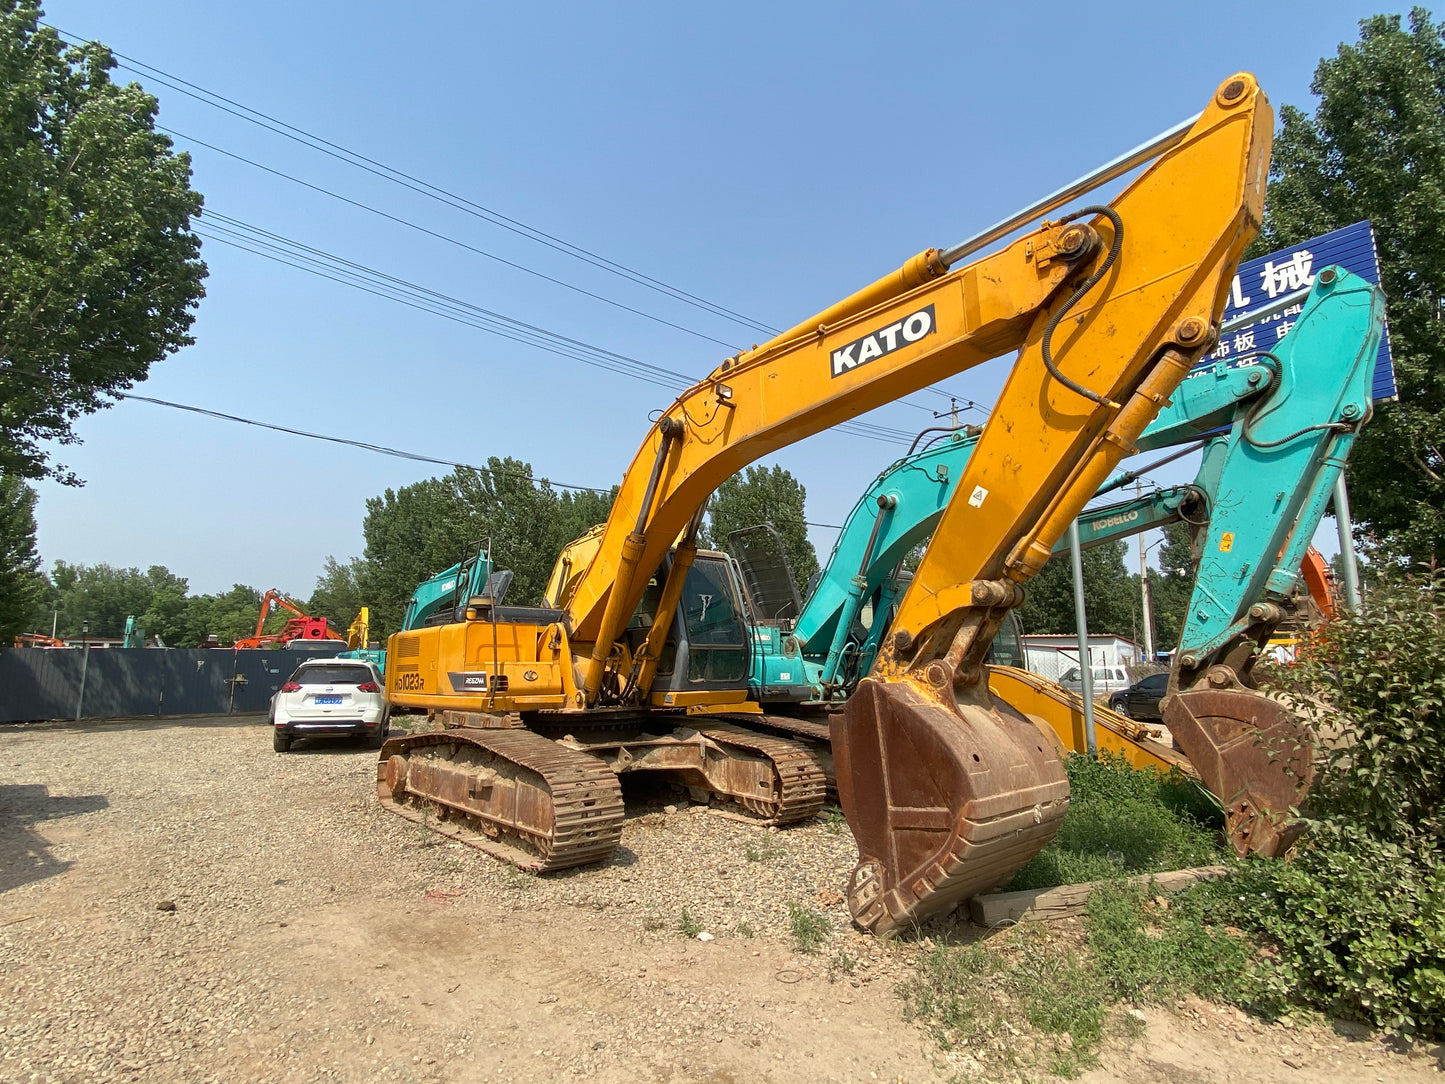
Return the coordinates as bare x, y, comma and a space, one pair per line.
1052, 656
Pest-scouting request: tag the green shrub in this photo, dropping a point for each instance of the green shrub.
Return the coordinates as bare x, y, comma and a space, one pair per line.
1354, 924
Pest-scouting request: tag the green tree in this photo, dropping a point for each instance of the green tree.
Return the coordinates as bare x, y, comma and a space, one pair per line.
99, 270
167, 614
1171, 585
338, 595
21, 585
760, 495
1375, 148
414, 532
229, 616
100, 597
1111, 594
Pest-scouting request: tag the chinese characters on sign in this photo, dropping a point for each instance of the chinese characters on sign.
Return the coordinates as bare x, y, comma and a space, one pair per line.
1260, 282
1296, 272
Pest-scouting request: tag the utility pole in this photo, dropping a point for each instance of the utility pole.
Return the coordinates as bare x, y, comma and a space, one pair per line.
1144, 589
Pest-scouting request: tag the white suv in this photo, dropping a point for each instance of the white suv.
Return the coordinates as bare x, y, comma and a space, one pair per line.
1107, 680
330, 696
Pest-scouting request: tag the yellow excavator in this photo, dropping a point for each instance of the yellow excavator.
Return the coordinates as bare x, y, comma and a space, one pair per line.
644, 663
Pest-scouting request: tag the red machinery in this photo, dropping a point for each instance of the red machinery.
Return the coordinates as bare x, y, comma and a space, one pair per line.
300, 627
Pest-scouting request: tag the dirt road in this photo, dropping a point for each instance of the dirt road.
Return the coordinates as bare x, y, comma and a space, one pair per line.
316, 937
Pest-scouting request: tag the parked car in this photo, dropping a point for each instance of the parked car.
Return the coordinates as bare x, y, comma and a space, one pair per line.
330, 696
1141, 700
1107, 680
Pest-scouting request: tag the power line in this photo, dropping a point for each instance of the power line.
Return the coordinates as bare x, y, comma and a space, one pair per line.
416, 184
453, 200
281, 249
381, 449
442, 237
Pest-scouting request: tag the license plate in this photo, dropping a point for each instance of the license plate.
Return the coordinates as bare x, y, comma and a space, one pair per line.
328, 699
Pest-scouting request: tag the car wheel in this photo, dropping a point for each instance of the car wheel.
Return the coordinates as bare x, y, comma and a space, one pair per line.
377, 740
1122, 707
279, 741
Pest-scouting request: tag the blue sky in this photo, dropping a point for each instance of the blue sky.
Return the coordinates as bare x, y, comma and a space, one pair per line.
770, 158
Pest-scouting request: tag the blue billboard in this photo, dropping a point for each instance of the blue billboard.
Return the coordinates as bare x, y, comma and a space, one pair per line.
1261, 282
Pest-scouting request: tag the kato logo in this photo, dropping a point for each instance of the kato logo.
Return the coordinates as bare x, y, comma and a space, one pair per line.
407, 682
884, 341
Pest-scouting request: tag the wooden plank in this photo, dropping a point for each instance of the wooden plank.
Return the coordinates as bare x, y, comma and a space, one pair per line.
1041, 904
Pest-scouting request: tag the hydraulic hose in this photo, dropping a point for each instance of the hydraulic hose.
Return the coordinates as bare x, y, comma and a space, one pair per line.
1089, 283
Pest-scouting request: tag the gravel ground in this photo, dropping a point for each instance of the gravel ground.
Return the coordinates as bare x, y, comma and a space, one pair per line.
179, 903
316, 936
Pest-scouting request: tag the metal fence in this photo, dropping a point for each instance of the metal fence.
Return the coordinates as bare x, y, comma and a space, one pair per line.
37, 683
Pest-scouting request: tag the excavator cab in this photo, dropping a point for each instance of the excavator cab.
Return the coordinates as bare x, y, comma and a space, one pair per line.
707, 647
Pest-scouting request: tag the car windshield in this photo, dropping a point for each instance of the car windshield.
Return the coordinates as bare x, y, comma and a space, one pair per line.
333, 674
1071, 675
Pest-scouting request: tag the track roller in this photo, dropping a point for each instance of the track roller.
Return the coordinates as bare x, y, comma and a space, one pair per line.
511, 793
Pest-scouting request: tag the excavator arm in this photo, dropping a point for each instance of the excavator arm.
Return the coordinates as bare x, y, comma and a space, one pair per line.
1249, 749
1116, 308
1107, 308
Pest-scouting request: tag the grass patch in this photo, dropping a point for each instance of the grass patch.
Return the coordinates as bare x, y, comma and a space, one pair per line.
1148, 947
687, 925
808, 927
765, 852
745, 929
1029, 1004
833, 819
841, 966
1122, 821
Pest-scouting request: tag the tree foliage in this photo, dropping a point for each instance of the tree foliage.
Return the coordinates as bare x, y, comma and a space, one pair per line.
101, 597
99, 270
1111, 595
339, 593
761, 495
21, 585
414, 532
1171, 586
1375, 149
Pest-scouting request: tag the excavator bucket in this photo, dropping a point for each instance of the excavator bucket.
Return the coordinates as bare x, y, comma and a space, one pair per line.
943, 804
1253, 755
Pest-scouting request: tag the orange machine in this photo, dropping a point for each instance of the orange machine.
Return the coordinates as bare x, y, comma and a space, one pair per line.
301, 626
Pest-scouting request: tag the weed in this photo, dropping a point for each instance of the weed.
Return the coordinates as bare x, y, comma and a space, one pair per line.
808, 927
743, 929
653, 922
517, 879
687, 925
1146, 952
833, 819
764, 853
840, 966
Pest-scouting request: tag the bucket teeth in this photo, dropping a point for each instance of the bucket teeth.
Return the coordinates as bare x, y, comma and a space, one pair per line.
944, 804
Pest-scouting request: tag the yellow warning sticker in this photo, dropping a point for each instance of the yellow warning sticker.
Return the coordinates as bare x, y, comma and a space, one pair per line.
1226, 542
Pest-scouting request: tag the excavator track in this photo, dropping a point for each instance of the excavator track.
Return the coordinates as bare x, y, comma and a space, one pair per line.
507, 792
801, 785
